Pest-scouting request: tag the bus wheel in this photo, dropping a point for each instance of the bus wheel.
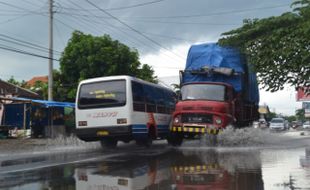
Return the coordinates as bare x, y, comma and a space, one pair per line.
175, 139
108, 143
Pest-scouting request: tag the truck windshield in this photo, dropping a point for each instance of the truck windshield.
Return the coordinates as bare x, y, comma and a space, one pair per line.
102, 94
203, 92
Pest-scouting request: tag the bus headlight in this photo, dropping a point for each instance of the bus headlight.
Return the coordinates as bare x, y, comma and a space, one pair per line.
177, 119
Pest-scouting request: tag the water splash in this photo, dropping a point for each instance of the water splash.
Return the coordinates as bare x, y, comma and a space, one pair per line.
247, 137
70, 143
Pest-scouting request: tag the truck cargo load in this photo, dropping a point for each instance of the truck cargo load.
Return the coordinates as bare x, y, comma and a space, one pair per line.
213, 56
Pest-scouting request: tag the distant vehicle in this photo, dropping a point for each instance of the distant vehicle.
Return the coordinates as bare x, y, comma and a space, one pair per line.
277, 124
255, 124
262, 123
306, 125
296, 124
123, 108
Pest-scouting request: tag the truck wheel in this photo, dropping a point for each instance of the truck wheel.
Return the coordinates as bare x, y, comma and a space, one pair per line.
175, 139
108, 143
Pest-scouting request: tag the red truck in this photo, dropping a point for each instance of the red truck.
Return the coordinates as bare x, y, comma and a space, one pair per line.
218, 89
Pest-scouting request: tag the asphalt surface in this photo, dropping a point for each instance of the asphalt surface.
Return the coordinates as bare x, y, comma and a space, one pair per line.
246, 159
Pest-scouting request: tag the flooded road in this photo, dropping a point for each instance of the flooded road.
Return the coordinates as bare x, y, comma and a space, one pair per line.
266, 161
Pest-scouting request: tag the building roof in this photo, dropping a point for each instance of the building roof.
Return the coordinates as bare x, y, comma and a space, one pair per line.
11, 89
33, 81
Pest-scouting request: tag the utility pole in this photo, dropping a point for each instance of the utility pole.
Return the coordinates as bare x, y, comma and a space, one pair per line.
50, 60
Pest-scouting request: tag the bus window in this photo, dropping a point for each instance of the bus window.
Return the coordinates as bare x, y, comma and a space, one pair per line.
138, 96
150, 98
102, 94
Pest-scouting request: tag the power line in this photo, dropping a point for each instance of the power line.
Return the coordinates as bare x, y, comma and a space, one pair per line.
21, 8
59, 34
113, 27
31, 3
16, 18
138, 32
216, 13
118, 8
4, 47
155, 21
149, 18
25, 43
16, 7
187, 23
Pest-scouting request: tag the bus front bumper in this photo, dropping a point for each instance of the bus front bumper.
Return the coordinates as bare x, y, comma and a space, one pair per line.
98, 133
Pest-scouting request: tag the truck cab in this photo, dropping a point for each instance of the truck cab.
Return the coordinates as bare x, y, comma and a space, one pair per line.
204, 107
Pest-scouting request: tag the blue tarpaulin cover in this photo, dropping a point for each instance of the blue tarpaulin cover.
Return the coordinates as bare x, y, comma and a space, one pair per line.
212, 55
46, 103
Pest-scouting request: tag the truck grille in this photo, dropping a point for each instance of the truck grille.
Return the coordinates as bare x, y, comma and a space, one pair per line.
196, 118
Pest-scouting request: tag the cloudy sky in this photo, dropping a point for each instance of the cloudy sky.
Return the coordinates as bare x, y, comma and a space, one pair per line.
161, 30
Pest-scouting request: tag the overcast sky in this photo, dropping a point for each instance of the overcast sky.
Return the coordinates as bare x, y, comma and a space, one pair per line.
161, 30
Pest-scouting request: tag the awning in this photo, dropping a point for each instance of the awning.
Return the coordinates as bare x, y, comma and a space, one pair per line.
44, 103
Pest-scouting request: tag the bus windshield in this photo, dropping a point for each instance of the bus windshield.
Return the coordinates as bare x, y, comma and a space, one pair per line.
102, 94
203, 92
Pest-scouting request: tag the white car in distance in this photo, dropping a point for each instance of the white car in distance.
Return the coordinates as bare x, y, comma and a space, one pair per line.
277, 124
306, 125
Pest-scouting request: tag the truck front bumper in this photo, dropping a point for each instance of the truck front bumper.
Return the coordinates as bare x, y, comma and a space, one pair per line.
196, 129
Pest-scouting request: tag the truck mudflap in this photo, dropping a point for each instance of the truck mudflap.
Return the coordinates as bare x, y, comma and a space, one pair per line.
197, 130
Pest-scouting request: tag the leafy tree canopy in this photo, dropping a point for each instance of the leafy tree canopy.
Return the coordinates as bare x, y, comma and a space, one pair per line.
12, 80
87, 56
277, 47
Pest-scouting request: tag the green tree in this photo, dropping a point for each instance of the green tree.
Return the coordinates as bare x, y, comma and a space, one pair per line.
300, 114
40, 88
177, 89
270, 115
22, 84
278, 47
291, 118
87, 56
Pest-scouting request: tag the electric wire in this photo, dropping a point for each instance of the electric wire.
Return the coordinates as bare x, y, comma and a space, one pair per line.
107, 29
26, 44
215, 13
133, 29
113, 27
150, 18
117, 8
11, 49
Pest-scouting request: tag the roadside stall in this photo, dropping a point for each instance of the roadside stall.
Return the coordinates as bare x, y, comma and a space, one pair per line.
38, 118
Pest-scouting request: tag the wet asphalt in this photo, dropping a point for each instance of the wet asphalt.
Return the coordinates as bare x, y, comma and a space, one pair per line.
247, 159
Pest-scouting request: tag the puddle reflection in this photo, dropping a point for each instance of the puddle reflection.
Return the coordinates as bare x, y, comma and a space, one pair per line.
177, 170
182, 170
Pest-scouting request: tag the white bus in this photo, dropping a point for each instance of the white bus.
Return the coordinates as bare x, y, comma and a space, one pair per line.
122, 108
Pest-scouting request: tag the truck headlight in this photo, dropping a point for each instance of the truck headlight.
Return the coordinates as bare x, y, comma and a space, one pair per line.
177, 119
218, 121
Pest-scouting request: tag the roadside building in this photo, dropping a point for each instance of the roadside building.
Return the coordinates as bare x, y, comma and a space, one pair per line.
38, 118
23, 114
32, 82
8, 90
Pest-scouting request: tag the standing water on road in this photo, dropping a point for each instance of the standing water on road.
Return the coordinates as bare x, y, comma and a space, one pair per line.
246, 159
